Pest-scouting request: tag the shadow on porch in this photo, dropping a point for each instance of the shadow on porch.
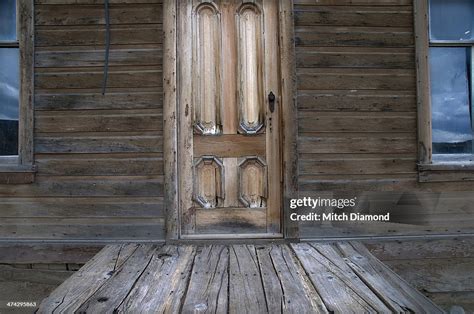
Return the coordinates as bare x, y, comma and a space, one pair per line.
338, 277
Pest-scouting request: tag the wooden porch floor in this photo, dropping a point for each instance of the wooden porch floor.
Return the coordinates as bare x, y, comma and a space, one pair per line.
341, 277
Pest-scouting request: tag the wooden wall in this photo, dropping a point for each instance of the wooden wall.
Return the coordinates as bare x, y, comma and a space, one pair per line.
100, 170
357, 116
442, 269
99, 158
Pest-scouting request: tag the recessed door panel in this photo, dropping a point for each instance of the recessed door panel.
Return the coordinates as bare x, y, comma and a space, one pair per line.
250, 69
207, 69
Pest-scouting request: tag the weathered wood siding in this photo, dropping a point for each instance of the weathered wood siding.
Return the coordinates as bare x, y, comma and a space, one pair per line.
357, 115
443, 269
99, 158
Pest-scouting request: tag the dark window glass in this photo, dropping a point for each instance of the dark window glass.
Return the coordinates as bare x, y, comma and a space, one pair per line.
450, 100
9, 86
7, 20
452, 20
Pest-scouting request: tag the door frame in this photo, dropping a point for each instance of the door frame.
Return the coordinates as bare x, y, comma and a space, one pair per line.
171, 124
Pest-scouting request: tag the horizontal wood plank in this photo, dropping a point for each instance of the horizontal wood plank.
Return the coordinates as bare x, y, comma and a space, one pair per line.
99, 144
446, 175
422, 249
92, 35
355, 57
354, 101
81, 207
100, 164
349, 2
94, 14
354, 16
330, 36
48, 253
229, 145
99, 121
355, 143
368, 165
324, 79
231, 220
95, 1
309, 122
113, 99
118, 229
81, 56
87, 186
73, 78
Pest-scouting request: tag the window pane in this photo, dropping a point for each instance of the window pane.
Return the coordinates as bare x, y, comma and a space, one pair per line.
450, 104
9, 83
452, 20
7, 20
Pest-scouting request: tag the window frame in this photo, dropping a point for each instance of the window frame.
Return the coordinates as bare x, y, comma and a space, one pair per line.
429, 171
20, 168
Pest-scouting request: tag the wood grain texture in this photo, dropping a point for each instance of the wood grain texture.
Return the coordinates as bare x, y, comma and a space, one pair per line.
99, 143
90, 35
26, 40
84, 78
267, 278
94, 14
246, 293
336, 282
207, 290
170, 111
286, 288
162, 284
231, 220
88, 144
395, 289
372, 79
99, 121
88, 56
109, 295
93, 276
100, 164
81, 207
351, 2
423, 82
139, 98
357, 143
245, 136
48, 253
354, 16
318, 122
356, 57
356, 101
328, 36
289, 111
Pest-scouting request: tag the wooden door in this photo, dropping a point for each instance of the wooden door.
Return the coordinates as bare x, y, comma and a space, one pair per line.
229, 154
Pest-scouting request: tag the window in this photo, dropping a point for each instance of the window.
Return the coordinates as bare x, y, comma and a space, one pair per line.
16, 91
451, 49
9, 79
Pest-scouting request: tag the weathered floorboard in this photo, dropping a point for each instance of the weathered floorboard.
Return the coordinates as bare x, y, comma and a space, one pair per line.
162, 284
246, 292
286, 289
70, 295
341, 277
207, 289
341, 291
113, 291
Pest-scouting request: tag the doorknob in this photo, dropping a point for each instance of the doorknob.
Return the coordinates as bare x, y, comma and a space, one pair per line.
271, 102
